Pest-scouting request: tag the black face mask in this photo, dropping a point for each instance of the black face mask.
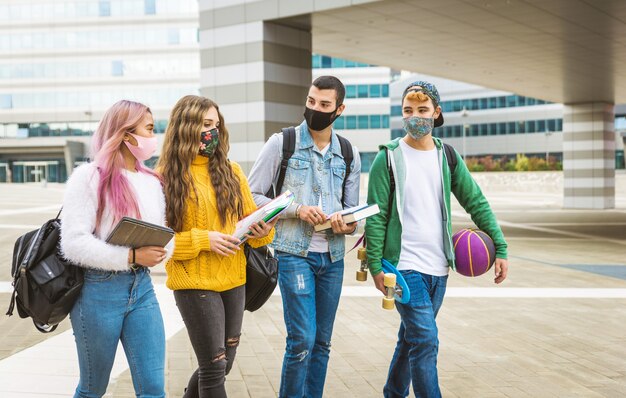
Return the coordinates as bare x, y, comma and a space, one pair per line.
317, 120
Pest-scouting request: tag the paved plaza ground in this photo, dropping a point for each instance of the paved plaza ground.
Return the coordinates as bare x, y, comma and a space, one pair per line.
555, 328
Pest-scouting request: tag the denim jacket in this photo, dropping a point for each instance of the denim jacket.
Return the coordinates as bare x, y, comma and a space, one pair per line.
308, 176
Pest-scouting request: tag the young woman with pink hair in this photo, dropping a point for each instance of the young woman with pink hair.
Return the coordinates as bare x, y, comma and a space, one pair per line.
117, 302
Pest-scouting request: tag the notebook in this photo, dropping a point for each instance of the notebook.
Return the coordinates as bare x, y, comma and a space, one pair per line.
134, 233
353, 214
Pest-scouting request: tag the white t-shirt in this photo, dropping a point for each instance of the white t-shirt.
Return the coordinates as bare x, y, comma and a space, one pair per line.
422, 219
319, 243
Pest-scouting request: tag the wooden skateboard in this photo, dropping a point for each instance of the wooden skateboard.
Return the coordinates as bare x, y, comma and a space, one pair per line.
397, 289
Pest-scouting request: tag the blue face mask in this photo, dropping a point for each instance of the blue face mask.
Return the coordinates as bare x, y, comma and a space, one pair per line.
418, 127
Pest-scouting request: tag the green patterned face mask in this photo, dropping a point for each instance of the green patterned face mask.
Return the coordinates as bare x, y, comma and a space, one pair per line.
208, 142
418, 127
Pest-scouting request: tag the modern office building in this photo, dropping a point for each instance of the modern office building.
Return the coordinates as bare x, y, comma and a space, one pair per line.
480, 121
63, 63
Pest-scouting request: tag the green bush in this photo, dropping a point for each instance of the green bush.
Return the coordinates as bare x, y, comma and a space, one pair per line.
520, 163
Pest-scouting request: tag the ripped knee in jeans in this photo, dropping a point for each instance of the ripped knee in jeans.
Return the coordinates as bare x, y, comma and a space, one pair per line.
233, 342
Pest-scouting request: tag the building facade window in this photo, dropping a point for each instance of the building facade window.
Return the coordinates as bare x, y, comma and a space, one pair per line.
326, 62
117, 68
104, 8
362, 122
6, 101
484, 129
509, 101
367, 90
150, 7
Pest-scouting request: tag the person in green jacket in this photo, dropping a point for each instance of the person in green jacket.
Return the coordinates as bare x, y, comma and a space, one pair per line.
413, 231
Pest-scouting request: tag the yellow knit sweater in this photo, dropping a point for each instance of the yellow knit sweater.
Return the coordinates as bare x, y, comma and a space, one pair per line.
193, 264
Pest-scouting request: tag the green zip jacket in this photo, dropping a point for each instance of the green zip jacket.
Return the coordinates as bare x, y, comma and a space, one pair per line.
384, 232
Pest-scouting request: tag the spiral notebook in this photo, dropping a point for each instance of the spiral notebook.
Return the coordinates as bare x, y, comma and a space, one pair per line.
134, 233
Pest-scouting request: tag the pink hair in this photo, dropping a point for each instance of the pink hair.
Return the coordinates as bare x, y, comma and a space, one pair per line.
114, 189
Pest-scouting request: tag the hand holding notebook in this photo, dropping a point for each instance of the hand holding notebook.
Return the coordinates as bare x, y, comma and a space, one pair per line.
266, 213
134, 233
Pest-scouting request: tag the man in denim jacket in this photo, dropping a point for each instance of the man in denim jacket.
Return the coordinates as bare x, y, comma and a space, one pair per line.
310, 264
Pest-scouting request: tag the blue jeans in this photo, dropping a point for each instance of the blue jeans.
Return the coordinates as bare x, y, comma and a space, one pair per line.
310, 288
115, 306
415, 358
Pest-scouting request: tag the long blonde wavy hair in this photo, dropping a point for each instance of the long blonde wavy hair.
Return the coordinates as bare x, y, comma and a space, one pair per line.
180, 148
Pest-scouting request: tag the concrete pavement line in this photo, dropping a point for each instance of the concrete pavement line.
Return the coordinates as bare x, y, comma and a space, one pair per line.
502, 292
50, 368
29, 210
546, 230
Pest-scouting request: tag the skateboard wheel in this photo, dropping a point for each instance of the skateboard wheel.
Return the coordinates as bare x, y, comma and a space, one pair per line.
361, 254
361, 276
388, 303
390, 280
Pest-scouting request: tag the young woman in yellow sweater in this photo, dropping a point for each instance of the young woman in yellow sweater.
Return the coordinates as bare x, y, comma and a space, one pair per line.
206, 194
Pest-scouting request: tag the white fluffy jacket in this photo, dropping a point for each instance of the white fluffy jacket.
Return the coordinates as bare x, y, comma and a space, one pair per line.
80, 242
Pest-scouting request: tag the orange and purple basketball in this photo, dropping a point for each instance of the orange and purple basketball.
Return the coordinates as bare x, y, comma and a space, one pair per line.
475, 252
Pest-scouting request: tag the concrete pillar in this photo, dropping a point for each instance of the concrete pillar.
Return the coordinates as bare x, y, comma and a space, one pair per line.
589, 156
258, 73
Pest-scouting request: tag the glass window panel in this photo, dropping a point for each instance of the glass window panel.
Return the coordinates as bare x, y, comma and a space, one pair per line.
385, 90
559, 125
150, 7
511, 126
351, 122
6, 101
552, 125
493, 103
484, 103
339, 123
530, 126
375, 91
541, 126
117, 68
104, 8
396, 110
521, 100
521, 128
375, 121
474, 129
511, 101
484, 129
363, 121
493, 128
326, 62
317, 61
350, 64
385, 121
530, 101
362, 90
501, 102
351, 91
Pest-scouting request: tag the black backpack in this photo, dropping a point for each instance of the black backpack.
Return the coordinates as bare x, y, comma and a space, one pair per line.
289, 147
45, 285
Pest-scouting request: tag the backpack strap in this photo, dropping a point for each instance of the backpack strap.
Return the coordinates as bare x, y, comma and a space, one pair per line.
450, 157
450, 154
289, 147
348, 157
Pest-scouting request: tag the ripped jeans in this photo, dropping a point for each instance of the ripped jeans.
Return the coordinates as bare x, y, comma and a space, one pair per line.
310, 288
213, 321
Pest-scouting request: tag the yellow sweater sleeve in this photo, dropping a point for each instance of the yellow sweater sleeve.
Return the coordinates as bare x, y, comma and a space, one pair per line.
189, 244
249, 206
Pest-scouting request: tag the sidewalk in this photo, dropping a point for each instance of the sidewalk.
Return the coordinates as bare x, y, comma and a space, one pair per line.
555, 328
